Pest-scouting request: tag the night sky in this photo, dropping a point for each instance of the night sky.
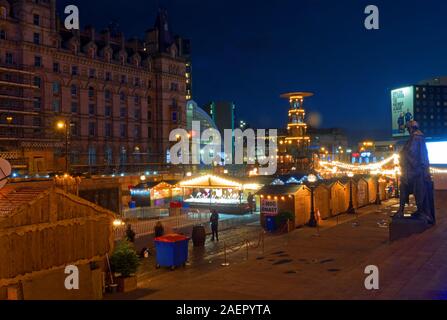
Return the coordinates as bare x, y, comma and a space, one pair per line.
250, 52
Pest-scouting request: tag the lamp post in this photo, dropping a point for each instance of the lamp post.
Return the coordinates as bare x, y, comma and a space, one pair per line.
311, 178
351, 209
378, 201
65, 125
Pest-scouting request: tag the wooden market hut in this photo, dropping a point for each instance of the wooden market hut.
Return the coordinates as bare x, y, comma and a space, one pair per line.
288, 198
44, 230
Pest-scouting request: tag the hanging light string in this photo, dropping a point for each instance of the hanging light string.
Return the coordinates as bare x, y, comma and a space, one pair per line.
373, 168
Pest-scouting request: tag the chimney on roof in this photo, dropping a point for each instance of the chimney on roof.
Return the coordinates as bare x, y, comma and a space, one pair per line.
106, 36
90, 30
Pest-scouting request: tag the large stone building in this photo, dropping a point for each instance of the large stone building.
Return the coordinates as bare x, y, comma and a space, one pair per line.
115, 99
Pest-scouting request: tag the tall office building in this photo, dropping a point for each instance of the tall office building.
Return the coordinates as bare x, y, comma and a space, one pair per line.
425, 102
119, 97
223, 115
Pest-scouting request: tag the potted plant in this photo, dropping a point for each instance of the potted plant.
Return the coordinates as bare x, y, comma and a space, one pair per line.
124, 262
285, 219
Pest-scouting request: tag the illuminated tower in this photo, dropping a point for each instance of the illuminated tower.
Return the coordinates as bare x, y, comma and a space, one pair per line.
297, 127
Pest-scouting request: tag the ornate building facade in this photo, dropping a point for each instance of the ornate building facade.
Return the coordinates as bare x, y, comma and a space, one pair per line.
117, 98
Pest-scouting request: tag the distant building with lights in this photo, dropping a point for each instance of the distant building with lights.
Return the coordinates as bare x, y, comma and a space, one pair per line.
121, 97
329, 143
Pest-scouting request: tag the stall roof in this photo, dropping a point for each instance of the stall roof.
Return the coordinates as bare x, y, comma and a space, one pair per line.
210, 181
279, 189
153, 184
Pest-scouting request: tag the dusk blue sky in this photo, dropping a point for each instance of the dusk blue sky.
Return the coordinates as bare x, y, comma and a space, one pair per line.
250, 52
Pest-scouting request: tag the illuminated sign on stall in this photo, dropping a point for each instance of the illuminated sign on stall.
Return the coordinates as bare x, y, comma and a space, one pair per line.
269, 206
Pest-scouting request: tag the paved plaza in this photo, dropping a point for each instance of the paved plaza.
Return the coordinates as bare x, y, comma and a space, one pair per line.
307, 264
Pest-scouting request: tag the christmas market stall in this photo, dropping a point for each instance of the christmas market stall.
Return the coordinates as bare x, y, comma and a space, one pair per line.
155, 193
215, 192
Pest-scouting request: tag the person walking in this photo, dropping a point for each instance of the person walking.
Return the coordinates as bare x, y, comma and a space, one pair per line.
214, 220
158, 229
250, 200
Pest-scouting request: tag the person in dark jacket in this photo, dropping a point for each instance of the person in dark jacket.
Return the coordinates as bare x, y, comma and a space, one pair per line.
214, 220
159, 230
130, 234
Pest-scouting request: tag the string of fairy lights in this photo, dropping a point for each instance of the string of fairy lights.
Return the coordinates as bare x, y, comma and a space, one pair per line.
388, 167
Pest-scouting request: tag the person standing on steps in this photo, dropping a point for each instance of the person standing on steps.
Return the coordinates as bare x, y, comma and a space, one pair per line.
214, 220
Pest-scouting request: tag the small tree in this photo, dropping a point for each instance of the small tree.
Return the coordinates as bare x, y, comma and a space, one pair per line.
124, 259
282, 218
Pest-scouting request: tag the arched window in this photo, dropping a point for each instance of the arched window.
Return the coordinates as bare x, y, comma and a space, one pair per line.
3, 12
2, 34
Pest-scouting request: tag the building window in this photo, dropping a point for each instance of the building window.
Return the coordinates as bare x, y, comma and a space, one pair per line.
36, 19
149, 132
74, 90
108, 111
3, 13
74, 128
108, 130
174, 103
137, 132
74, 107
122, 97
37, 103
2, 34
91, 129
56, 106
123, 79
137, 82
107, 95
137, 113
108, 155
56, 67
123, 130
149, 115
123, 112
174, 116
9, 58
37, 82
91, 109
38, 61
108, 76
137, 100
92, 73
91, 156
56, 87
174, 86
74, 70
91, 92
36, 38
149, 100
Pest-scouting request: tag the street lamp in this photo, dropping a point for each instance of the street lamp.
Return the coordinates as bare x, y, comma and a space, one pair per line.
351, 209
64, 125
311, 178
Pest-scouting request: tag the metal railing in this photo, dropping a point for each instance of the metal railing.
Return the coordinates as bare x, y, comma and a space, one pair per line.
146, 227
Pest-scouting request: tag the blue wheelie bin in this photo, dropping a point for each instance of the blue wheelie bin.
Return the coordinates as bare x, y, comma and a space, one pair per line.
270, 223
171, 250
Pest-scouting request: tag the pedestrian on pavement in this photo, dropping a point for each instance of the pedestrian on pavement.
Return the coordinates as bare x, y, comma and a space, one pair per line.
130, 234
159, 230
214, 219
250, 200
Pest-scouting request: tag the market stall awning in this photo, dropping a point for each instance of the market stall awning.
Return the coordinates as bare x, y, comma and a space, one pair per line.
279, 189
210, 181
